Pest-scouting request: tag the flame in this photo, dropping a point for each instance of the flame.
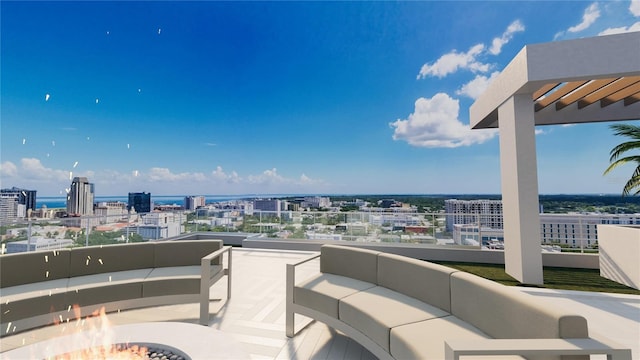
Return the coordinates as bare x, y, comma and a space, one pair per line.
96, 340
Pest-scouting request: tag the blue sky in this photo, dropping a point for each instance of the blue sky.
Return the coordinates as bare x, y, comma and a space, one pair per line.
281, 97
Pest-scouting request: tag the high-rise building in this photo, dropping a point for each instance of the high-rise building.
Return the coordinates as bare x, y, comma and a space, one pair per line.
9, 207
269, 205
25, 197
194, 202
487, 213
80, 197
140, 202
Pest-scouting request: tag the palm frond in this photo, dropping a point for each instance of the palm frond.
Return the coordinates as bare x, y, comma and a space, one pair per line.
632, 132
622, 161
623, 148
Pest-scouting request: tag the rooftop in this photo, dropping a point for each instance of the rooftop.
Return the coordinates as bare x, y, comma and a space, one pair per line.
255, 315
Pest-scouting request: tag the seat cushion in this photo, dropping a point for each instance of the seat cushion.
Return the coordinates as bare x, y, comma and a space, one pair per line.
173, 281
23, 301
107, 287
322, 292
376, 310
425, 339
184, 252
504, 312
43, 266
416, 278
353, 262
111, 258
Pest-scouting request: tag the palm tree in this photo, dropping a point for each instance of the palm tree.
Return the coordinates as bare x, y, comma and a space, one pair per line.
633, 133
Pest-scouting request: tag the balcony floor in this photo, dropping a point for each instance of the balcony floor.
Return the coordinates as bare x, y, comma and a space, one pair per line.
255, 315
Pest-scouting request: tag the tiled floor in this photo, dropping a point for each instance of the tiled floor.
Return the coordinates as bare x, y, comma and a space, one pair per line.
254, 317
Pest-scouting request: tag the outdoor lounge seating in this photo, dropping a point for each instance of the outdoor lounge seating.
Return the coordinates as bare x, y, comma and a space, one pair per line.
42, 287
403, 308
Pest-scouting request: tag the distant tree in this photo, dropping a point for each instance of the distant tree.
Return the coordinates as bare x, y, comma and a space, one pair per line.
633, 145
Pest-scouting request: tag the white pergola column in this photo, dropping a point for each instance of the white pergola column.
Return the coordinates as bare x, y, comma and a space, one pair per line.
519, 175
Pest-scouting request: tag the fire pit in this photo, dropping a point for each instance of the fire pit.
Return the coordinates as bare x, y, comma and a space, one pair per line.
189, 341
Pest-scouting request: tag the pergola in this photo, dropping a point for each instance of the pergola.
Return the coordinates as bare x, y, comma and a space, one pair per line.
564, 82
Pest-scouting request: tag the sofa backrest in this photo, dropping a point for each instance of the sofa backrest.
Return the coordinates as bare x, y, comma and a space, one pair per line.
419, 279
34, 266
361, 264
504, 312
184, 252
109, 258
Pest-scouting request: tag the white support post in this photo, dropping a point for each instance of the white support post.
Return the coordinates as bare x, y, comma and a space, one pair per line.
518, 167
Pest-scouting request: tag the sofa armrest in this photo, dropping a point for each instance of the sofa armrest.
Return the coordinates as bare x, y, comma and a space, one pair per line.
291, 283
209, 276
529, 347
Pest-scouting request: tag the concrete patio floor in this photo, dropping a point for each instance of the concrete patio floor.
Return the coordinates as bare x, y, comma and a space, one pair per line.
255, 318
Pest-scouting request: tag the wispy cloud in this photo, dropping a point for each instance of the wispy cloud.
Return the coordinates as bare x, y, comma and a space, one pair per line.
470, 60
453, 61
477, 86
497, 43
434, 123
591, 14
622, 29
164, 174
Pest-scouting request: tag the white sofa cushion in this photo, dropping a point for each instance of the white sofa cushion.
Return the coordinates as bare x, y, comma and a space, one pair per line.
375, 311
322, 292
353, 262
505, 313
420, 279
425, 339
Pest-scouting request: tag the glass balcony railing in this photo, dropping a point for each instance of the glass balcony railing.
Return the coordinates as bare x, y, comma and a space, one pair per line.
576, 233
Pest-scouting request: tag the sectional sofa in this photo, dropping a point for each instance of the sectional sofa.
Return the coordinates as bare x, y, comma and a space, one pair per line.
43, 287
403, 308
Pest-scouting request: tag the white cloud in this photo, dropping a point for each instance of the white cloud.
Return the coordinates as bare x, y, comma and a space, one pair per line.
32, 169
8, 169
591, 14
634, 8
451, 62
454, 60
497, 43
477, 86
434, 123
620, 30
219, 175
32, 173
164, 174
270, 176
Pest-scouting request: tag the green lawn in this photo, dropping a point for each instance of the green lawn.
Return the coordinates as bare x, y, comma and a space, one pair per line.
554, 278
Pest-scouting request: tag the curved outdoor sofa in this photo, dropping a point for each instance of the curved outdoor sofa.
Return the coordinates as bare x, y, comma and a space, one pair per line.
43, 287
403, 308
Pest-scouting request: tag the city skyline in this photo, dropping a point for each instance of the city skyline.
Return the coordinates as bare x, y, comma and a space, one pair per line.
281, 97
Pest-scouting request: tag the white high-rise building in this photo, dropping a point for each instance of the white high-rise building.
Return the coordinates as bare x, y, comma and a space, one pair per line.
80, 197
9, 208
194, 202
